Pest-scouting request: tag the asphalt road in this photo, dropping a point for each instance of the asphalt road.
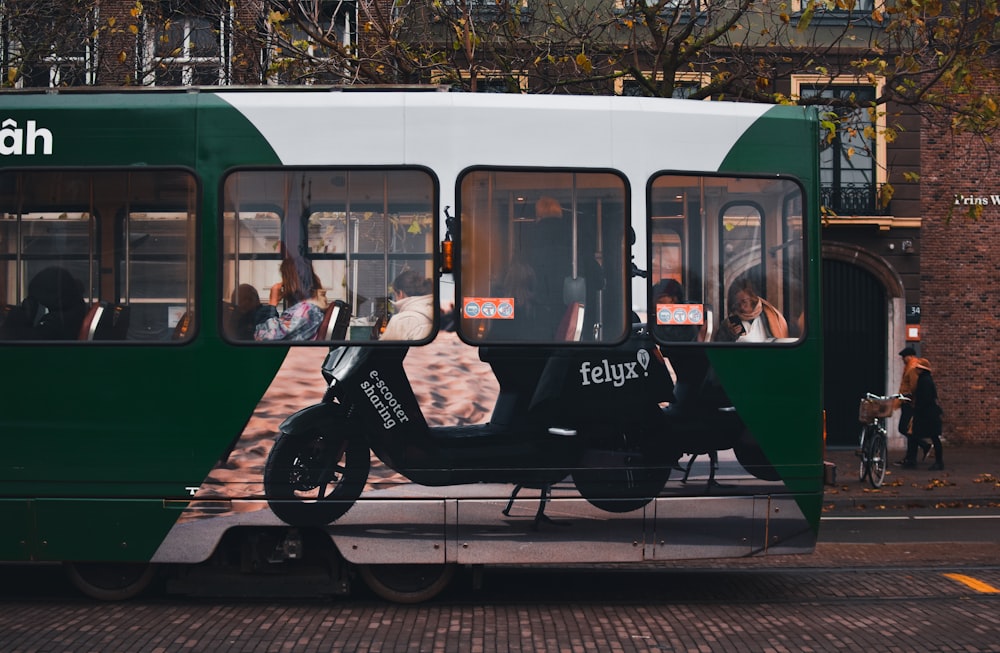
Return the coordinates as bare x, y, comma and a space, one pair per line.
912, 526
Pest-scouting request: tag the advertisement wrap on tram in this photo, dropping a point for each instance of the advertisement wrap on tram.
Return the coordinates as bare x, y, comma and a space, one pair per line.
393, 334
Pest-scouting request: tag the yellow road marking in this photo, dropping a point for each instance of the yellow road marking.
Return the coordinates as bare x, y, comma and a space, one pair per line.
974, 583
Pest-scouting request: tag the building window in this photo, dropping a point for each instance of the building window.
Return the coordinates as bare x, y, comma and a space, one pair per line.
486, 81
684, 87
488, 10
295, 57
842, 7
839, 13
186, 44
852, 160
44, 45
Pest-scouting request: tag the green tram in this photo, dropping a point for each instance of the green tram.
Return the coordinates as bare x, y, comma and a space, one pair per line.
389, 334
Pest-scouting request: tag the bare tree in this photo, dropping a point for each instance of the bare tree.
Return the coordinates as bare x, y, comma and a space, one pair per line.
60, 50
935, 57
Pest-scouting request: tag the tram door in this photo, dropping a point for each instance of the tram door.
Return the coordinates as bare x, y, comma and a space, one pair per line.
855, 323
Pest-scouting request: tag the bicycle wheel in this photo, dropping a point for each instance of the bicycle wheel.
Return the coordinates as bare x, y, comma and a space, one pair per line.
879, 458
864, 450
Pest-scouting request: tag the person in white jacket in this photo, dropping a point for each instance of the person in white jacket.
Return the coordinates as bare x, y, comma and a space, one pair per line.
413, 304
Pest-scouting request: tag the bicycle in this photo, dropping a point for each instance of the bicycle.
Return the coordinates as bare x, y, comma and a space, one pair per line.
873, 446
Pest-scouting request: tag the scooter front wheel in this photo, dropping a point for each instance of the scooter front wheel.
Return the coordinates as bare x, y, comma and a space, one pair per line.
312, 479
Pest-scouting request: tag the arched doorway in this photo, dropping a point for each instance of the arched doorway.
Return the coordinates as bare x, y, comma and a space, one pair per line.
855, 322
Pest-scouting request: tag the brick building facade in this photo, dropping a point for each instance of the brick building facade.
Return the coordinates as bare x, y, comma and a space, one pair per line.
960, 280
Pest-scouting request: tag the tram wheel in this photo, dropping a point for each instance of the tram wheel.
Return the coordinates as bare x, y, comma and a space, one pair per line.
407, 583
312, 479
111, 581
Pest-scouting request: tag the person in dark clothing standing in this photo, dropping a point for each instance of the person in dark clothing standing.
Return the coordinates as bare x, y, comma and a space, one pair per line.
927, 412
926, 417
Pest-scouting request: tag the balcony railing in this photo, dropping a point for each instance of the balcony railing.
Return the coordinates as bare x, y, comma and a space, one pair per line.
852, 199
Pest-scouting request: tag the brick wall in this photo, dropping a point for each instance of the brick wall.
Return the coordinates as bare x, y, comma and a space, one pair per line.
960, 281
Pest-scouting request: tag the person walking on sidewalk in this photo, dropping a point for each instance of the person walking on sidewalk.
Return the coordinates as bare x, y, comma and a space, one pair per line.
927, 413
907, 386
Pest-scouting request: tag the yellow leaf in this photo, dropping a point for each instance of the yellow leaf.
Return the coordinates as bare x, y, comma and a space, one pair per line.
133, 28
122, 56
885, 194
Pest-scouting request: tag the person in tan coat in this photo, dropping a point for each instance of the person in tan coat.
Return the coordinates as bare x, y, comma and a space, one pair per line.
751, 317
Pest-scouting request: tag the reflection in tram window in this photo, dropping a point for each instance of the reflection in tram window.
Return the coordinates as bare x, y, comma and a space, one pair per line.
357, 229
733, 246
544, 256
102, 255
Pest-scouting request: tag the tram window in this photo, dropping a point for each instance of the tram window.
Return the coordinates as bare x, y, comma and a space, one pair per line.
543, 256
97, 254
725, 259
362, 232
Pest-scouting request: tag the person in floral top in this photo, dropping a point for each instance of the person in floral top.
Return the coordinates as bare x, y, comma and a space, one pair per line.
304, 313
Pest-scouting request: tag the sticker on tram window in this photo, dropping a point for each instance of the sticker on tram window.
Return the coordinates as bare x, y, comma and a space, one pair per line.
679, 314
488, 308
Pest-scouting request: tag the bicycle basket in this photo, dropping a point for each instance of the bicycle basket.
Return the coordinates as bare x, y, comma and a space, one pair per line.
874, 408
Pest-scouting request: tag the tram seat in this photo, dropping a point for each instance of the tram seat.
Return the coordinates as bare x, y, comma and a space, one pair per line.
105, 321
88, 329
708, 326
336, 319
571, 326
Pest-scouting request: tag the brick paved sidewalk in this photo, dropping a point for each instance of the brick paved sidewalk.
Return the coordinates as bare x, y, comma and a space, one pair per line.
971, 478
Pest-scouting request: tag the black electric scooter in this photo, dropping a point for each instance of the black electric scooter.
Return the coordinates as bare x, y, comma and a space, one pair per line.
591, 413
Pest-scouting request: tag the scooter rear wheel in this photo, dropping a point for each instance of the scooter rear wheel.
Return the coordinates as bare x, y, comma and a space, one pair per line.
754, 460
614, 482
312, 479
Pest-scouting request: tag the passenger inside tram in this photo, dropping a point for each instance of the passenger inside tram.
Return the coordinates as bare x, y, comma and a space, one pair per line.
299, 288
413, 304
751, 317
53, 309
